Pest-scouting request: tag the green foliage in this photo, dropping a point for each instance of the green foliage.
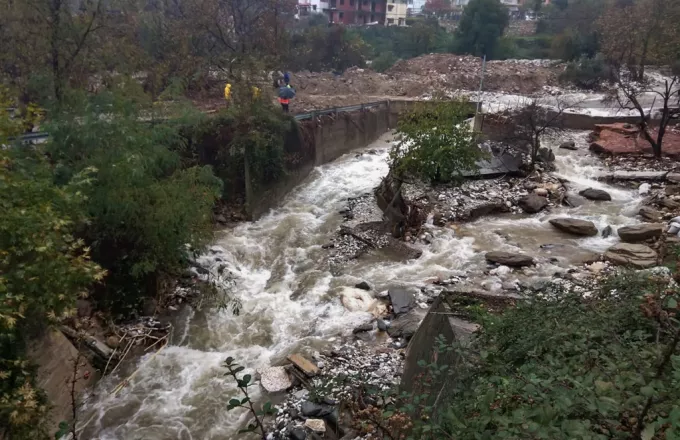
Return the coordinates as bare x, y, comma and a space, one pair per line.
481, 26
530, 48
421, 37
243, 383
562, 367
44, 268
435, 142
574, 28
384, 62
144, 207
320, 48
588, 73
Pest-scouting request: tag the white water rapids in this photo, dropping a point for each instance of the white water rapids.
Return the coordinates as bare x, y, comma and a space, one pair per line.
290, 299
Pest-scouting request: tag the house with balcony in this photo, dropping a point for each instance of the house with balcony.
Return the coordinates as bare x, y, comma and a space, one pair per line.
397, 11
356, 12
306, 7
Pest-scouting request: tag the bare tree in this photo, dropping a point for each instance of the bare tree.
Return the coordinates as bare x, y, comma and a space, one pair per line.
532, 120
636, 96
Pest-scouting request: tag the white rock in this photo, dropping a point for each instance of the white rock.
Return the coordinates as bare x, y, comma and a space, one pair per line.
275, 379
356, 300
674, 228
644, 188
503, 270
541, 192
676, 220
316, 425
596, 267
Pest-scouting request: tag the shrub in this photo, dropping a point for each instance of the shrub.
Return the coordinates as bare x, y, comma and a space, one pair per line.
144, 207
587, 73
435, 142
383, 62
561, 366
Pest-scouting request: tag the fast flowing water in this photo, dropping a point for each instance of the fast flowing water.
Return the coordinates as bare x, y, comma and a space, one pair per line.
290, 298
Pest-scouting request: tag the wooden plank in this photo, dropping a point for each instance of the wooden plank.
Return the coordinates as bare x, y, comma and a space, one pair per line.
303, 364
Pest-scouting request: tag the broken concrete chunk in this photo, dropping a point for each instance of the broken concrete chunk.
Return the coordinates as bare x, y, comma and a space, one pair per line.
275, 379
307, 367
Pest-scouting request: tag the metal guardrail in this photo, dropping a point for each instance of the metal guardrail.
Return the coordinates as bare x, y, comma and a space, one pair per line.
335, 110
41, 135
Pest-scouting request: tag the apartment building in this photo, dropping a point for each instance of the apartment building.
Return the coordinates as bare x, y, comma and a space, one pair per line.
397, 11
357, 11
306, 7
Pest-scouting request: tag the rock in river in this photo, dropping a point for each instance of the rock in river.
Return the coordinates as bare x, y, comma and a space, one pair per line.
569, 145
595, 194
509, 259
402, 300
405, 326
642, 232
635, 255
575, 226
363, 286
532, 203
650, 214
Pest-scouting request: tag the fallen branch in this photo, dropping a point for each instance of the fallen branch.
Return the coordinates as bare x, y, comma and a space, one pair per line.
344, 230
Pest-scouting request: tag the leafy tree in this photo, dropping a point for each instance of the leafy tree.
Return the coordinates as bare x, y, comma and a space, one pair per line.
639, 33
44, 268
145, 209
481, 26
435, 143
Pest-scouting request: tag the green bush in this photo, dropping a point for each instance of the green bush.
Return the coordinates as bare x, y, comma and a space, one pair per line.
587, 73
145, 209
384, 62
561, 366
435, 142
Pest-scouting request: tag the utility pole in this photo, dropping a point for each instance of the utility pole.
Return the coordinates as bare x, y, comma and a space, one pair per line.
481, 85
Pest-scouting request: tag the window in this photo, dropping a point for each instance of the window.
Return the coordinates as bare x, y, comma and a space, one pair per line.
313, 7
390, 8
342, 14
390, 21
401, 22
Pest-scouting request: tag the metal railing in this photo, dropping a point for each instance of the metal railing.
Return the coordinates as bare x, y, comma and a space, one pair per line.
41, 135
336, 110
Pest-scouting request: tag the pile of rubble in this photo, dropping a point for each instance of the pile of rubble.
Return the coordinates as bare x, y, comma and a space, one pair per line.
424, 76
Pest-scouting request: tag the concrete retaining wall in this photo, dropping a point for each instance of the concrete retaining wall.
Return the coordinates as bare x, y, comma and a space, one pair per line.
329, 137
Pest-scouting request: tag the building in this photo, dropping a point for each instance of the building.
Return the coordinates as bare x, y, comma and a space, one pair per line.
306, 7
357, 11
397, 11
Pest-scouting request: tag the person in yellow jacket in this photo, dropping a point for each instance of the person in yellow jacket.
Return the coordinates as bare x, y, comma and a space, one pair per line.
256, 92
227, 92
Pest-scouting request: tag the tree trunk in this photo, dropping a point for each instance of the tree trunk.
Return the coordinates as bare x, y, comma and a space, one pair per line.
55, 15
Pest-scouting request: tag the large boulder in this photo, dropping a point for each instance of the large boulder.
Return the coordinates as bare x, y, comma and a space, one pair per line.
637, 233
532, 203
575, 226
633, 255
510, 259
401, 299
595, 194
546, 155
650, 214
405, 326
569, 145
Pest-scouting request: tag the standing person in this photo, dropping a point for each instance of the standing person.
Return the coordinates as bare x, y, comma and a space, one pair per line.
286, 78
284, 104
